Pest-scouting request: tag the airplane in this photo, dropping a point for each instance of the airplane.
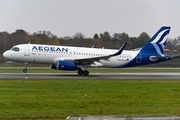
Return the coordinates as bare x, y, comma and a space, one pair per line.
79, 58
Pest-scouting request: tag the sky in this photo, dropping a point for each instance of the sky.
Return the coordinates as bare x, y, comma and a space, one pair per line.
68, 17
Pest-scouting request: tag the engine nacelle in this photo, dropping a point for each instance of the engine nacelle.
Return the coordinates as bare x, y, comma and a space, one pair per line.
65, 65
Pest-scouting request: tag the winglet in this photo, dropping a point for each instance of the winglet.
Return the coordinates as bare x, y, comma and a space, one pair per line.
120, 50
94, 46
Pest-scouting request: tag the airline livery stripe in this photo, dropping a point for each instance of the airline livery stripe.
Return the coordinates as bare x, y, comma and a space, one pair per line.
159, 36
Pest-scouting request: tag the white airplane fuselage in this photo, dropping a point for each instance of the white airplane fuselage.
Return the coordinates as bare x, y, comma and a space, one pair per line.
50, 54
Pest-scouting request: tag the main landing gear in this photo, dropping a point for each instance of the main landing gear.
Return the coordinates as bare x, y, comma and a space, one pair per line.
25, 70
85, 72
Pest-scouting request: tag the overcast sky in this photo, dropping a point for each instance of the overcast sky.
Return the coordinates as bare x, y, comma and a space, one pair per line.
67, 17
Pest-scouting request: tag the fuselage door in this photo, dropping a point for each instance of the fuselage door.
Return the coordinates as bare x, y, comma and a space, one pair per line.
27, 50
138, 58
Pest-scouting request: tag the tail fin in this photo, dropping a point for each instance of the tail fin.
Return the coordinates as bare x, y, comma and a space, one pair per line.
157, 43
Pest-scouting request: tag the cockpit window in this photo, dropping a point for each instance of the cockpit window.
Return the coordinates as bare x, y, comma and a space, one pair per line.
15, 49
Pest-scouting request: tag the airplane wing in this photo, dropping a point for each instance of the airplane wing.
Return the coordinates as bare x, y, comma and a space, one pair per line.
88, 61
166, 56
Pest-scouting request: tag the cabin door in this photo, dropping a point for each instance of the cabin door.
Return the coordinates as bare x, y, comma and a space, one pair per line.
138, 58
27, 50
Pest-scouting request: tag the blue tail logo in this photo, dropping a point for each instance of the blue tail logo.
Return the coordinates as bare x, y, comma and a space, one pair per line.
157, 43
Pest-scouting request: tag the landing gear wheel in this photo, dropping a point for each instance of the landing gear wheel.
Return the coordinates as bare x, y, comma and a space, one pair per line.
86, 73
80, 72
25, 70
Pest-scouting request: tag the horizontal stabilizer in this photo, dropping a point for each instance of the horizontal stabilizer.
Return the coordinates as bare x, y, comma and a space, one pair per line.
175, 56
155, 58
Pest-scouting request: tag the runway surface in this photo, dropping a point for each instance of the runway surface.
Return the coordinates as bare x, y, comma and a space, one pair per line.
92, 76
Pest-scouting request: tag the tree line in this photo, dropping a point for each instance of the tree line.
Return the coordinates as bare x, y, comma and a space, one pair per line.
101, 40
105, 40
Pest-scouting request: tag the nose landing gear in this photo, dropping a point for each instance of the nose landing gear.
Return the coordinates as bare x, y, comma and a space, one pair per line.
25, 70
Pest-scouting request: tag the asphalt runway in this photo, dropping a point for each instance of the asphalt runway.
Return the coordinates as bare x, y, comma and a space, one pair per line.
92, 76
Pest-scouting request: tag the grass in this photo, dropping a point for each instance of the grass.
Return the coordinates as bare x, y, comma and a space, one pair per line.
48, 99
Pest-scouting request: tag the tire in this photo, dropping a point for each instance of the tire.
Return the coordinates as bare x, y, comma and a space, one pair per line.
86, 73
80, 72
25, 70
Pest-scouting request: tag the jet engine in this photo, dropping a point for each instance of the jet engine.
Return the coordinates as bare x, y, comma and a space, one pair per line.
65, 65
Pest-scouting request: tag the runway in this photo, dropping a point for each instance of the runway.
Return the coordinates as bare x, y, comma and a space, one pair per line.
92, 76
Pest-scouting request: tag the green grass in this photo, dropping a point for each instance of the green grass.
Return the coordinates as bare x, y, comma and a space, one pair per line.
30, 99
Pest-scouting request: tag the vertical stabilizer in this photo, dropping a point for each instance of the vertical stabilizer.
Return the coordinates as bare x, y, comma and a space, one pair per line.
157, 43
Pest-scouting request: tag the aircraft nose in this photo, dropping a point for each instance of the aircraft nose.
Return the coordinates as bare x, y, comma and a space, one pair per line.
5, 54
